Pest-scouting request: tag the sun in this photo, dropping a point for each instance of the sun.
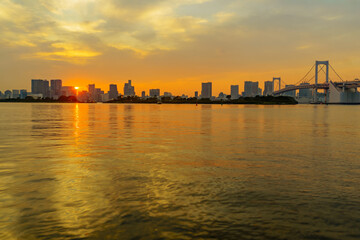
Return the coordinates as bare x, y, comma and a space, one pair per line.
76, 88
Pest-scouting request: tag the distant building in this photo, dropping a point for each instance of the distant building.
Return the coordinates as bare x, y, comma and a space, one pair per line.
154, 93
98, 93
206, 90
113, 92
167, 94
196, 94
251, 89
222, 96
39, 86
305, 93
290, 93
68, 91
1, 95
129, 90
15, 94
268, 88
55, 88
183, 96
92, 93
234, 89
7, 94
83, 96
23, 94
143, 95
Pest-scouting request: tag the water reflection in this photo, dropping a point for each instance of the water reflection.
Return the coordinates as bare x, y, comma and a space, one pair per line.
98, 171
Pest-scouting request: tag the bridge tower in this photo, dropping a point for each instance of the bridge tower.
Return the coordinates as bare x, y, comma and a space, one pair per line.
277, 79
317, 64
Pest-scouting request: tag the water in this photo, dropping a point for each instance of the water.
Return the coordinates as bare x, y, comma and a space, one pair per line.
102, 171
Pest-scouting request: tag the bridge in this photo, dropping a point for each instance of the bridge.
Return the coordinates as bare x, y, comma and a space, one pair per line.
335, 91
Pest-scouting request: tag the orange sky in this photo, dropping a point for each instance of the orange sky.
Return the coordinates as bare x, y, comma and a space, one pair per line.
174, 45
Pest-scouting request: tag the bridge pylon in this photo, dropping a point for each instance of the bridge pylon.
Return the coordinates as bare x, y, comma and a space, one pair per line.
317, 64
277, 79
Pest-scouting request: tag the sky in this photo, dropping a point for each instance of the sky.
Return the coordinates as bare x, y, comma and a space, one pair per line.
175, 45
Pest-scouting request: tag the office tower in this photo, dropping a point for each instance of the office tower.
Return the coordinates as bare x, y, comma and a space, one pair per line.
196, 94
98, 93
305, 93
91, 90
234, 91
23, 93
55, 88
143, 94
268, 88
154, 92
15, 94
68, 91
113, 92
251, 89
206, 90
39, 86
129, 90
83, 96
290, 93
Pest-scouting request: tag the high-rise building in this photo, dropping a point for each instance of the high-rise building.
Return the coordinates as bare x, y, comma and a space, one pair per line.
92, 93
15, 93
39, 86
98, 93
268, 88
290, 93
196, 94
206, 90
154, 93
113, 92
305, 93
55, 88
23, 93
68, 91
234, 89
129, 90
143, 94
251, 89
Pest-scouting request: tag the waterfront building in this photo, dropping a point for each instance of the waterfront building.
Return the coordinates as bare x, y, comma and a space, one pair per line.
290, 93
83, 96
129, 90
1, 95
305, 93
7, 94
167, 94
113, 91
196, 94
55, 88
234, 89
23, 93
154, 93
68, 91
91, 92
15, 94
39, 86
98, 93
143, 95
268, 88
206, 90
251, 89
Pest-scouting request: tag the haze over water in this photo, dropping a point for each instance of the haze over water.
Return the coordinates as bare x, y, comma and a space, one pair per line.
102, 171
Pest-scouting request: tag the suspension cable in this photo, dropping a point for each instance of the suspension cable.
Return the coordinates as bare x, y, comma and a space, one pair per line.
336, 73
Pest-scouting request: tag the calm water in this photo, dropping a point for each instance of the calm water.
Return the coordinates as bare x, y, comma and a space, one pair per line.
99, 171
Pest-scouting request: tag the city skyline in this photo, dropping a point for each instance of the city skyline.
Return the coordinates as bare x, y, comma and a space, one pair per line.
174, 44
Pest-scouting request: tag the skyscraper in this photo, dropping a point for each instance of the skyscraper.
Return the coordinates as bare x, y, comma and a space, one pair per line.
129, 90
206, 90
196, 94
234, 91
268, 88
143, 94
251, 89
55, 88
154, 92
39, 86
113, 92
92, 93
